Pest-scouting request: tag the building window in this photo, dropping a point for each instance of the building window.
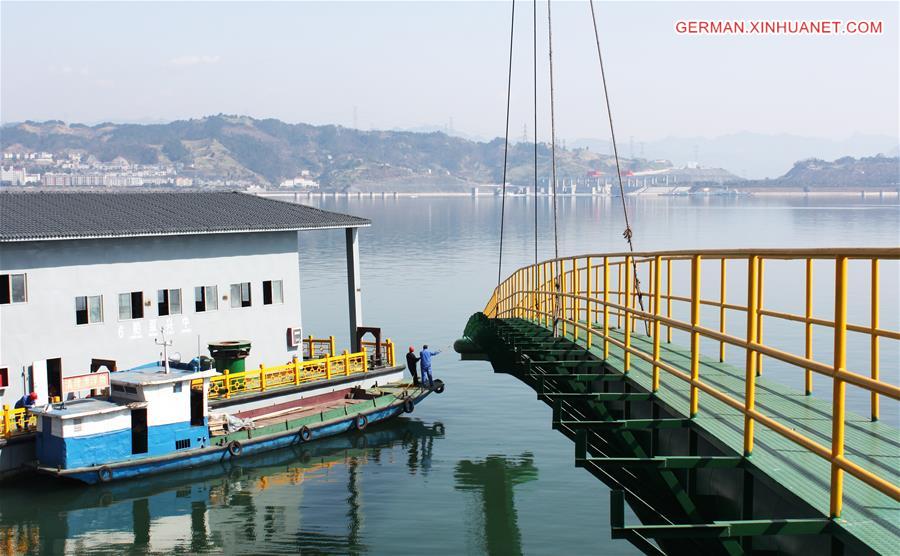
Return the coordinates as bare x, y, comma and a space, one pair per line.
272, 292
4, 377
12, 288
131, 305
240, 294
206, 298
88, 309
169, 302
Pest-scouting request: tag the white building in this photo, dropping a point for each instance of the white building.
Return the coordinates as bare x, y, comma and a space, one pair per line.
91, 279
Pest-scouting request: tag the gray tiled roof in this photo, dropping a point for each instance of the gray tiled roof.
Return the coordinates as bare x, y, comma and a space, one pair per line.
51, 215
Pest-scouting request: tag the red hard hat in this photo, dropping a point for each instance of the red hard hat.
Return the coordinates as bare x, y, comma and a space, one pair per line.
33, 395
412, 348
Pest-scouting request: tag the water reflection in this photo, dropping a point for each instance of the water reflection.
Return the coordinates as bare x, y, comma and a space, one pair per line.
493, 479
288, 500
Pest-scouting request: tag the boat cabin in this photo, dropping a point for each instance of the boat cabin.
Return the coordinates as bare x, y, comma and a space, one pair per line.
150, 411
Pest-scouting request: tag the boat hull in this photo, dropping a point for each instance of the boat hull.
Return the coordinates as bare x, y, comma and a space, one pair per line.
226, 451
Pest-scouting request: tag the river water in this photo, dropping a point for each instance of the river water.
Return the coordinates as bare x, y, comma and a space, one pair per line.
477, 469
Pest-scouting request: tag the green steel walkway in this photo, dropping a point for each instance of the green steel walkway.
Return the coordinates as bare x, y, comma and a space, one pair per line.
870, 516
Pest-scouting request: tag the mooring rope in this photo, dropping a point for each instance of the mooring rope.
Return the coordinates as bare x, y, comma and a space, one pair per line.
512, 27
627, 234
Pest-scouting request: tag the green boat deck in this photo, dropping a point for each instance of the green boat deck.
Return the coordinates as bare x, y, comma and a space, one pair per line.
868, 515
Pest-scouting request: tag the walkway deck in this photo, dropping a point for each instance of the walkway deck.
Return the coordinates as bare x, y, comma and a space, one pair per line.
868, 515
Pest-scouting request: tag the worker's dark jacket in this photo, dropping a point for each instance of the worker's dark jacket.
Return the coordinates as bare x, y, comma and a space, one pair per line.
411, 361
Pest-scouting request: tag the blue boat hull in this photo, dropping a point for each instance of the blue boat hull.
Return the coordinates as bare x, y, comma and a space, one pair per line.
219, 454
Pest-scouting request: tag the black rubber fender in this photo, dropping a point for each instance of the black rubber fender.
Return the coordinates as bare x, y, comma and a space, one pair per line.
361, 421
105, 474
409, 406
235, 448
438, 386
305, 434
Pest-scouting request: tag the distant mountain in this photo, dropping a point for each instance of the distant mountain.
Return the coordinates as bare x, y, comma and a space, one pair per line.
881, 172
270, 151
750, 155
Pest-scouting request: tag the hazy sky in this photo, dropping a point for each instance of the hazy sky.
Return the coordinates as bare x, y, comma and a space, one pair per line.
409, 64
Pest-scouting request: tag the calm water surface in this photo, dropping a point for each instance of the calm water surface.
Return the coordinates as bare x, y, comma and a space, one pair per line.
476, 469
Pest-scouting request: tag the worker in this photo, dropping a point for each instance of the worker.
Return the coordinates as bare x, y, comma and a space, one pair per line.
411, 361
27, 401
425, 356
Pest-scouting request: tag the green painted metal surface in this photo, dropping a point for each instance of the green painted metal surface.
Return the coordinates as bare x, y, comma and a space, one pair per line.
869, 515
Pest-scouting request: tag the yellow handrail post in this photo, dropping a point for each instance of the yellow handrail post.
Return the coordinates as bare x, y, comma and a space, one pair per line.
7, 422
656, 266
840, 387
759, 317
262, 378
722, 297
227, 384
562, 300
750, 370
331, 346
669, 299
328, 361
312, 353
621, 292
695, 335
390, 346
628, 317
808, 325
296, 362
874, 337
587, 287
576, 303
605, 308
346, 355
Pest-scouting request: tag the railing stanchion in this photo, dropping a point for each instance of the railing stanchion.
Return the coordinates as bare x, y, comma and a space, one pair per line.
7, 422
874, 336
296, 362
759, 315
587, 287
840, 387
722, 298
576, 303
562, 300
621, 293
628, 317
695, 335
750, 370
808, 327
656, 270
605, 308
262, 378
669, 299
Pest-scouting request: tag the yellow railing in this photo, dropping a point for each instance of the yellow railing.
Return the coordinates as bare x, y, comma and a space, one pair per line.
387, 353
578, 297
297, 372
16, 421
315, 348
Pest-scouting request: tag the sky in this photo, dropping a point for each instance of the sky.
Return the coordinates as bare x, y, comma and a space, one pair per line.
408, 65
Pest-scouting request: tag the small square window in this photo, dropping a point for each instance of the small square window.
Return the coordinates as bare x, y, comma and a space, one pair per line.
131, 305
176, 388
169, 302
12, 288
88, 309
273, 292
206, 298
240, 295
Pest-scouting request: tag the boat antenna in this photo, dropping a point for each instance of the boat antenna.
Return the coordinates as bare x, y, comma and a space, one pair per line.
165, 345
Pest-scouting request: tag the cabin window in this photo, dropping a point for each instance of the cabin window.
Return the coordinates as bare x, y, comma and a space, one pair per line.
77, 424
118, 388
182, 444
240, 294
176, 388
12, 288
4, 377
88, 309
206, 298
273, 292
131, 305
130, 390
169, 302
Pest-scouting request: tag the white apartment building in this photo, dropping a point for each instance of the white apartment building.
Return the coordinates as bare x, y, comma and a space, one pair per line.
97, 279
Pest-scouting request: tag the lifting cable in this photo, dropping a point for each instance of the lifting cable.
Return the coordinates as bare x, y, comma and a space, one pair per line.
512, 28
627, 234
534, 28
557, 284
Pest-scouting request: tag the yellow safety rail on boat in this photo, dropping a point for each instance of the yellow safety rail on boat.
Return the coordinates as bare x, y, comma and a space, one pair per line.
16, 421
291, 374
588, 295
318, 347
